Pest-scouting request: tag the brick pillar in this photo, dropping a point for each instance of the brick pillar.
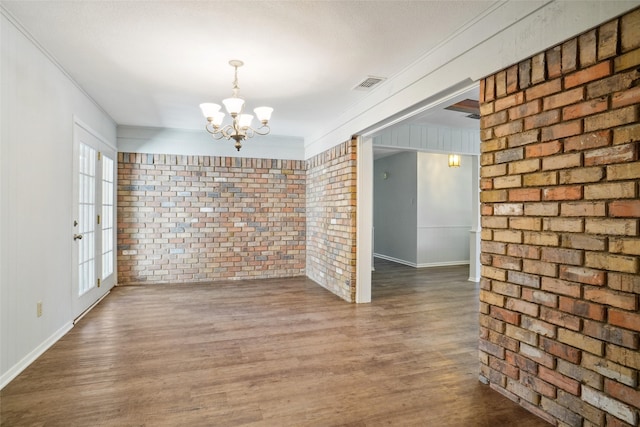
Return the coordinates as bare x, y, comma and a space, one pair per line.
560, 287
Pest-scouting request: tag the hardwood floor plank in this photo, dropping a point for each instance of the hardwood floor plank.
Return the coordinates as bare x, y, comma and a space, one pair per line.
278, 352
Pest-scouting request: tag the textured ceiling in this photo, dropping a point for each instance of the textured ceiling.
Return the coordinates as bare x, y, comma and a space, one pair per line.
150, 63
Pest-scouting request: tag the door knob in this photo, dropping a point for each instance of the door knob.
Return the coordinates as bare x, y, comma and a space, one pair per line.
77, 237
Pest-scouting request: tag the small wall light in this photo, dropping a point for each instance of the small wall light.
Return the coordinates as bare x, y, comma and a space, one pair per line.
454, 160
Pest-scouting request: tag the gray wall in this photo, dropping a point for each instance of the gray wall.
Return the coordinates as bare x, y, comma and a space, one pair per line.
394, 207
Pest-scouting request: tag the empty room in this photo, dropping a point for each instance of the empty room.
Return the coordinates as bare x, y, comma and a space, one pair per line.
296, 213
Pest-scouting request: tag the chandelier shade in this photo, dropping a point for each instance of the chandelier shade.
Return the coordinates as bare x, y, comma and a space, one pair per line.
240, 127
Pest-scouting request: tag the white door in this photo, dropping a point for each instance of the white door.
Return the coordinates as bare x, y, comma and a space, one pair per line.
94, 215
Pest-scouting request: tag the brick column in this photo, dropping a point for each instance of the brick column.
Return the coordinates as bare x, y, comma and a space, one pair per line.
560, 288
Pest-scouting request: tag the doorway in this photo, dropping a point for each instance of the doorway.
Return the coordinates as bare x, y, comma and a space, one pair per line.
94, 186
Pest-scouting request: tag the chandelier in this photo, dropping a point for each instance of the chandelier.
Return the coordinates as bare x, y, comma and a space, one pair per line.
240, 127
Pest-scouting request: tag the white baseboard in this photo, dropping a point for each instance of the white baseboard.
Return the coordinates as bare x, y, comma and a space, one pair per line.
16, 369
421, 265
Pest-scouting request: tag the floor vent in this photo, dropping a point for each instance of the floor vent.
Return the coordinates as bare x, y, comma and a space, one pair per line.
369, 83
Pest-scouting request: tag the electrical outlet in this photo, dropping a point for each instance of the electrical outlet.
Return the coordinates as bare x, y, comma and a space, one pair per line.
39, 309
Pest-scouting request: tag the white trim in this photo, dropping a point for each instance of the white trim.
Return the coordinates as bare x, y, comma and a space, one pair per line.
364, 219
16, 369
85, 126
421, 265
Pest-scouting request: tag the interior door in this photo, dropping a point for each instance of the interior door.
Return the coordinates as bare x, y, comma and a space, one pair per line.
94, 216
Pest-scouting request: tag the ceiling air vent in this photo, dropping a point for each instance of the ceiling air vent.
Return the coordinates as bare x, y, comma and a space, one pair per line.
369, 83
474, 116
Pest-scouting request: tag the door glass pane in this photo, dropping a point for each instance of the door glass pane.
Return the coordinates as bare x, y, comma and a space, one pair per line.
87, 216
108, 173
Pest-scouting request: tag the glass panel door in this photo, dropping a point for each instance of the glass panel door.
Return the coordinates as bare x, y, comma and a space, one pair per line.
94, 219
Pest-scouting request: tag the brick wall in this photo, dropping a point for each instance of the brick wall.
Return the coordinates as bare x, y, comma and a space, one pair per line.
201, 218
560, 176
331, 219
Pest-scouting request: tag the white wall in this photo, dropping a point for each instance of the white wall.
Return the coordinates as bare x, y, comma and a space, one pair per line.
136, 139
444, 215
38, 105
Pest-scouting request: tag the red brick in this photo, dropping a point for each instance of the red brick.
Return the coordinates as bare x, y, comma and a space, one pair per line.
508, 128
522, 307
523, 138
611, 119
610, 155
501, 84
614, 190
538, 68
566, 161
509, 101
523, 251
539, 179
559, 318
521, 362
615, 83
609, 333
587, 48
539, 297
503, 367
586, 75
491, 348
554, 62
630, 33
612, 298
524, 166
624, 319
492, 120
583, 109
582, 308
569, 55
512, 79
546, 118
562, 256
560, 350
561, 287
482, 90
524, 110
611, 262
540, 268
569, 192
625, 208
583, 208
524, 74
628, 97
543, 149
525, 195
544, 89
621, 245
626, 61
565, 383
623, 171
563, 99
490, 89
581, 175
622, 392
584, 275
588, 141
565, 129
608, 40
505, 315
583, 241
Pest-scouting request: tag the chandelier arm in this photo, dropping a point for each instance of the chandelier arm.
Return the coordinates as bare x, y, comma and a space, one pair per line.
262, 130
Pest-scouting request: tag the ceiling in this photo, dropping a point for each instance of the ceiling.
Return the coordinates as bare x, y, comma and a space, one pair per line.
150, 63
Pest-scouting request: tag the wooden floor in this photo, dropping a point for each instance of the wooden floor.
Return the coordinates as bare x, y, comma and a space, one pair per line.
269, 353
